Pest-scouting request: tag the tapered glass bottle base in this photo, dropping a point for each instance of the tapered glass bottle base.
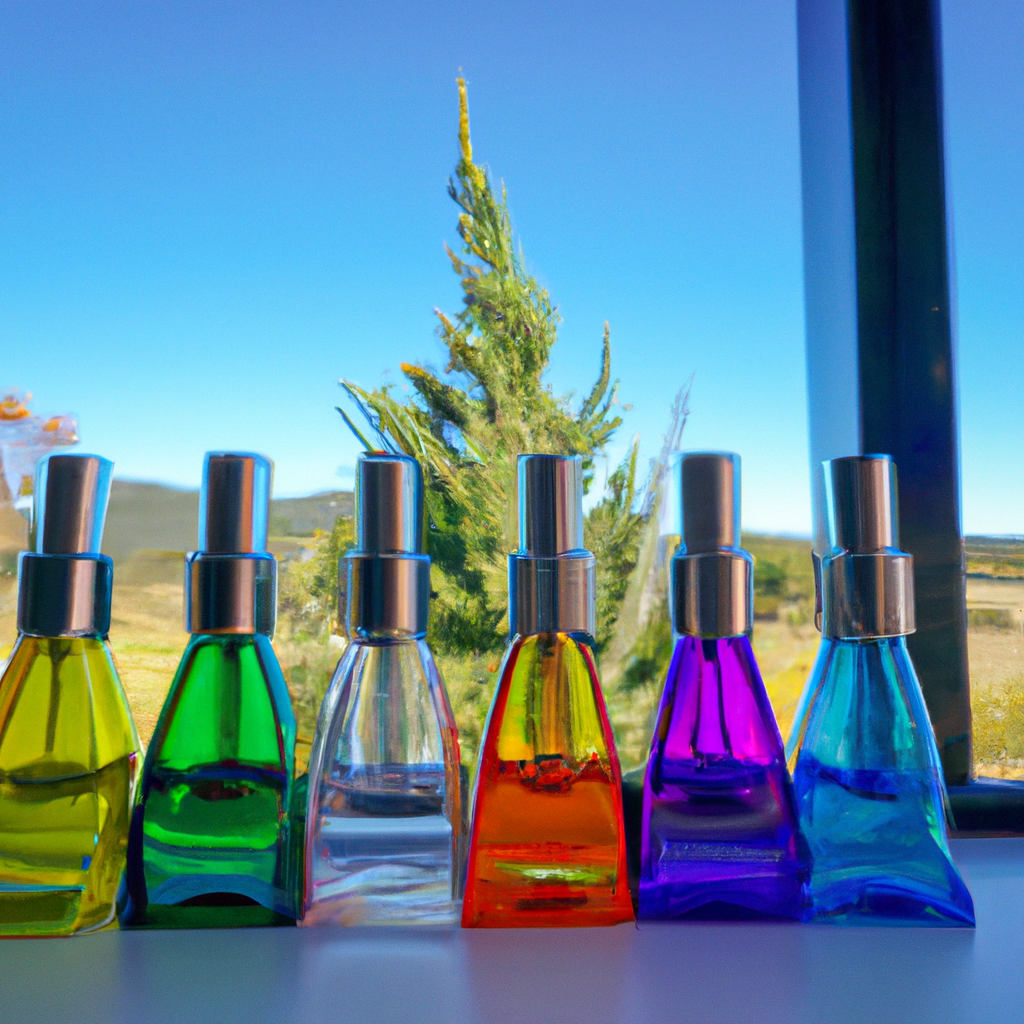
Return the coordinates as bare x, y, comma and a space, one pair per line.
210, 842
576, 878
62, 848
869, 792
721, 842
875, 854
385, 835
384, 854
719, 835
68, 765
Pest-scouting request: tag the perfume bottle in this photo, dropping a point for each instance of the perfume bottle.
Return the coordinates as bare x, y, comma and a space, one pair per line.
210, 842
866, 772
720, 836
385, 834
68, 746
547, 847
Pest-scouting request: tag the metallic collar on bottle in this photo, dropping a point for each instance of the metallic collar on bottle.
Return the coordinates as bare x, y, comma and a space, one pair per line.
230, 593
867, 595
64, 595
713, 593
552, 595
387, 596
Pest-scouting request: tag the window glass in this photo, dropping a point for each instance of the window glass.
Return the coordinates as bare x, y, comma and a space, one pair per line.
984, 106
212, 222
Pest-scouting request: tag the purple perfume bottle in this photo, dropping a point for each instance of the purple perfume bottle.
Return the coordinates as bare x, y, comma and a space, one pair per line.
720, 837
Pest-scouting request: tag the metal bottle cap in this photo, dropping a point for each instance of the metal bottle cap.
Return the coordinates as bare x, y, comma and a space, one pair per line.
552, 576
712, 588
389, 503
384, 581
65, 583
234, 503
71, 504
867, 582
550, 505
231, 581
861, 496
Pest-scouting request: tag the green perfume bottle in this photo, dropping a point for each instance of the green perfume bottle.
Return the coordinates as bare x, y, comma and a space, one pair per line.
68, 746
210, 842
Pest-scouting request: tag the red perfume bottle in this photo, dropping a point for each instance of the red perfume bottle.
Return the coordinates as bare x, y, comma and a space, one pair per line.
547, 847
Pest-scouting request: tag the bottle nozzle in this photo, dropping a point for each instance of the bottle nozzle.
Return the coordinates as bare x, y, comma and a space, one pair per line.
550, 504
64, 583
861, 502
551, 579
234, 504
231, 581
389, 504
71, 504
710, 486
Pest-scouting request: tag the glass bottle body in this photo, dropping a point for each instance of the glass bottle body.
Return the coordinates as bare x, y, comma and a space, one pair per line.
720, 836
385, 828
68, 761
547, 847
210, 842
869, 790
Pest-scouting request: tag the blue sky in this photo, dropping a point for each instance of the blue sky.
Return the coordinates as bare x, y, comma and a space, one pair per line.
212, 211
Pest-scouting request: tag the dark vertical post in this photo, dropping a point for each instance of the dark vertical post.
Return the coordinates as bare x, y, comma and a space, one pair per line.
881, 374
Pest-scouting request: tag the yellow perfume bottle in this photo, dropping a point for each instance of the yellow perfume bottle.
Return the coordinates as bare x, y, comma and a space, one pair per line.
68, 745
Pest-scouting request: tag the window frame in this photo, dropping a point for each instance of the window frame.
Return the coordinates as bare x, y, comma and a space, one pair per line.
880, 327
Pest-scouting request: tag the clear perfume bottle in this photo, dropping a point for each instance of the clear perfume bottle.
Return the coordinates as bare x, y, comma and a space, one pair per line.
210, 843
866, 772
385, 833
68, 746
720, 836
547, 847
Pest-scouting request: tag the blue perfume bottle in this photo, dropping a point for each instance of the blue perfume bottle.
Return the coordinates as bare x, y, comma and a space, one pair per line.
870, 796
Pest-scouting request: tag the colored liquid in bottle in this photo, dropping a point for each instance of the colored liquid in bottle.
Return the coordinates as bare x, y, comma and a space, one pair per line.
869, 790
68, 762
386, 833
210, 835
719, 823
548, 844
384, 851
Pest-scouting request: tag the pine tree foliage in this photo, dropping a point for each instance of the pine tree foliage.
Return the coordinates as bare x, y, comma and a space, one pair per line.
308, 590
468, 423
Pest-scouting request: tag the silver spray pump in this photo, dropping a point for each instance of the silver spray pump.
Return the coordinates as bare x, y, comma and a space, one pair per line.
867, 583
64, 583
231, 581
551, 578
712, 589
384, 581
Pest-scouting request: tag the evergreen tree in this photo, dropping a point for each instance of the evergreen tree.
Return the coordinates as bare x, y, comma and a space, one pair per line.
468, 424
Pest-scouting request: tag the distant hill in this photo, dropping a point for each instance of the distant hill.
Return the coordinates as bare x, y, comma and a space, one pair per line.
299, 517
998, 557
157, 518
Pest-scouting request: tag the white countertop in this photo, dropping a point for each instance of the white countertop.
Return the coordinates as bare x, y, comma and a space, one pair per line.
743, 973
